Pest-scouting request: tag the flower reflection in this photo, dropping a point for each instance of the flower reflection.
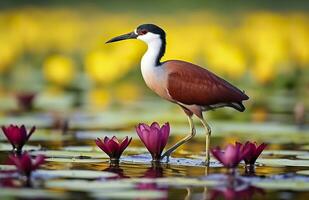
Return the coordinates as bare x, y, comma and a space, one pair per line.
232, 193
17, 136
115, 168
154, 138
155, 171
25, 165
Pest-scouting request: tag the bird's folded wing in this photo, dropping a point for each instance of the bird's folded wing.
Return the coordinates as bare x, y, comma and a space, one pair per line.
191, 84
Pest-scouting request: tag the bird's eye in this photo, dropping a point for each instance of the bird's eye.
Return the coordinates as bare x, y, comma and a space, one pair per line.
143, 32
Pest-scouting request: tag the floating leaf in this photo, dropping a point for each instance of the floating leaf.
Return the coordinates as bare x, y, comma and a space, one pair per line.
92, 135
70, 154
97, 149
7, 167
283, 162
303, 172
88, 174
31, 193
304, 156
283, 152
82, 148
76, 160
296, 185
83, 185
131, 194
8, 147
174, 181
146, 158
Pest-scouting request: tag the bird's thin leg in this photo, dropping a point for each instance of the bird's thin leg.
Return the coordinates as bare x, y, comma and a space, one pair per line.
182, 141
208, 133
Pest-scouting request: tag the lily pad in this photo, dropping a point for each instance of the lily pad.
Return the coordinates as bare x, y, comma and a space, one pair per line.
83, 185
45, 135
76, 160
7, 167
97, 149
295, 185
131, 194
31, 193
70, 154
303, 172
305, 156
283, 162
80, 174
82, 148
146, 158
284, 152
175, 181
92, 135
8, 147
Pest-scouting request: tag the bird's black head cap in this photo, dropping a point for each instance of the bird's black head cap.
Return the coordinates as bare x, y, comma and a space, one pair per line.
144, 28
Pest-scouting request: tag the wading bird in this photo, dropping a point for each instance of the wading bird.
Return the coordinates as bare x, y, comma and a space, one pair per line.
193, 88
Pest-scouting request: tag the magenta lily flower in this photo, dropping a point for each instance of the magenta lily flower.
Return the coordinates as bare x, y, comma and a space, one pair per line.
154, 138
17, 136
231, 156
254, 151
25, 165
113, 147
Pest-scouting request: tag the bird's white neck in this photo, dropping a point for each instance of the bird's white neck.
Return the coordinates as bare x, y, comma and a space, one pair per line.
151, 57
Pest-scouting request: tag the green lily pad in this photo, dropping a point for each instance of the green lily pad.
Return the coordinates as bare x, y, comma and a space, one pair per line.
76, 160
8, 147
283, 152
88, 174
174, 181
305, 156
83, 185
7, 167
28, 121
295, 185
92, 135
82, 148
137, 150
31, 193
69, 154
45, 135
131, 194
283, 162
303, 172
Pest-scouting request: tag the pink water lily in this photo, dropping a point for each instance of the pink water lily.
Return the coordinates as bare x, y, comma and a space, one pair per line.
25, 165
154, 137
17, 136
231, 156
112, 146
254, 151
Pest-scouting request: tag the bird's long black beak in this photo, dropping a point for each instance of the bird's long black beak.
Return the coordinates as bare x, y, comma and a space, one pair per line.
131, 35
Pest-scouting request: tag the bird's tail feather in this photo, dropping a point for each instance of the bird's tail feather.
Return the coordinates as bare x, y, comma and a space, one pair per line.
238, 106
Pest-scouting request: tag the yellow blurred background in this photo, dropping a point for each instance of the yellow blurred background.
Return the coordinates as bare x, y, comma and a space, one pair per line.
59, 49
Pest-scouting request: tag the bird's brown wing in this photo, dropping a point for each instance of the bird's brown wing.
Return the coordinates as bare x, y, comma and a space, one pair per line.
190, 84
